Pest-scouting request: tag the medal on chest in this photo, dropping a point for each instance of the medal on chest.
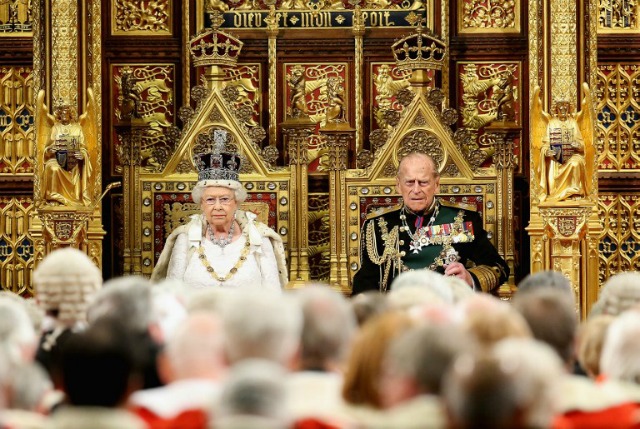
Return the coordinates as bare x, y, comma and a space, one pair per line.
421, 237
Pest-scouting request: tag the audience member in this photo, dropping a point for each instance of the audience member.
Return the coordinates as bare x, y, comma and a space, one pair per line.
591, 338
362, 377
261, 325
193, 370
253, 396
368, 305
412, 375
546, 279
64, 282
97, 370
128, 300
618, 294
314, 390
620, 358
552, 319
489, 320
512, 386
17, 336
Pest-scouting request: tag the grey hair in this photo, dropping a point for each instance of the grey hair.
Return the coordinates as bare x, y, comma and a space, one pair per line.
537, 373
329, 325
552, 318
549, 279
424, 279
272, 331
620, 293
253, 388
240, 194
29, 385
196, 348
620, 359
126, 299
424, 353
16, 331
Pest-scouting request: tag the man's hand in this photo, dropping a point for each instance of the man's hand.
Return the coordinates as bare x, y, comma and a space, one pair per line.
458, 270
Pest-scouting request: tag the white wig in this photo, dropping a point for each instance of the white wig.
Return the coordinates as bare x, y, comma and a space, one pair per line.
234, 185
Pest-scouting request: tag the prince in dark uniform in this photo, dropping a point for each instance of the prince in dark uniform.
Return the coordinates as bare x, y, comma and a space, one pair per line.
425, 232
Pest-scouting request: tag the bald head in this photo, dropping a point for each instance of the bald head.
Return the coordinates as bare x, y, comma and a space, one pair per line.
419, 157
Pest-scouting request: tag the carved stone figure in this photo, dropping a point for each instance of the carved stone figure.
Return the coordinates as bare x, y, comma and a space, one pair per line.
563, 154
67, 151
335, 102
296, 82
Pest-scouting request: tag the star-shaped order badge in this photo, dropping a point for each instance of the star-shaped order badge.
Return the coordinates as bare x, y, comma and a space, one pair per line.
420, 240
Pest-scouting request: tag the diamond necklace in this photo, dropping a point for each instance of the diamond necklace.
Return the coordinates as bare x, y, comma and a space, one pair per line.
224, 241
420, 238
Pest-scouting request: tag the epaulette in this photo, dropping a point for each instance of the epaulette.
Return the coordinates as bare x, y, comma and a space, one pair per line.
383, 210
457, 205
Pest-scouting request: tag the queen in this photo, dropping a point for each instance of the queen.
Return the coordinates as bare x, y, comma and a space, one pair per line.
222, 246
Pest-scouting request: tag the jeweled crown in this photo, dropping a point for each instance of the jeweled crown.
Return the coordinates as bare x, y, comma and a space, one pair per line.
218, 164
419, 51
213, 47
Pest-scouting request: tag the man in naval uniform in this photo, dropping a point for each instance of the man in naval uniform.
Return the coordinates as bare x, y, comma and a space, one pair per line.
426, 232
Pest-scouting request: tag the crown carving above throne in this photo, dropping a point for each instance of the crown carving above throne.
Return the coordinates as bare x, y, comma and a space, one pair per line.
215, 48
419, 51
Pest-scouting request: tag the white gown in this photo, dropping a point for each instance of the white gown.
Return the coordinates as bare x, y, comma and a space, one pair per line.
260, 270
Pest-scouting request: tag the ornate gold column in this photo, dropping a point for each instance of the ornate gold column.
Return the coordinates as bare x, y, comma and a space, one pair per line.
358, 34
272, 32
130, 129
339, 135
564, 227
67, 51
297, 131
503, 135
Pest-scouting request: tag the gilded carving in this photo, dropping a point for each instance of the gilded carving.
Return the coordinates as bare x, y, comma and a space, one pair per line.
489, 16
421, 141
617, 15
16, 245
489, 92
150, 89
562, 151
388, 81
244, 79
619, 244
319, 236
16, 18
67, 154
315, 5
16, 124
618, 119
364, 159
64, 58
564, 60
316, 93
152, 17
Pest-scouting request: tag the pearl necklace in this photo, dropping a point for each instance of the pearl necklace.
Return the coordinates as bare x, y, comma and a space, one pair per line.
243, 257
224, 241
420, 238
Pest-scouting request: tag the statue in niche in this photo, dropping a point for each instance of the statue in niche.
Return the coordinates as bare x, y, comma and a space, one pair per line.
563, 154
297, 85
503, 96
335, 100
67, 150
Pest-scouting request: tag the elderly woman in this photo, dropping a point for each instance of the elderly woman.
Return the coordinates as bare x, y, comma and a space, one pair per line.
223, 246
